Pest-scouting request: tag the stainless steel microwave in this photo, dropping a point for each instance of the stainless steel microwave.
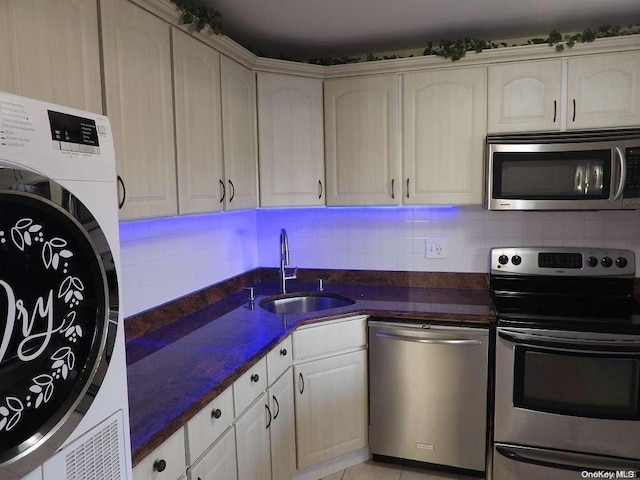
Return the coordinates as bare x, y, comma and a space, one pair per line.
581, 170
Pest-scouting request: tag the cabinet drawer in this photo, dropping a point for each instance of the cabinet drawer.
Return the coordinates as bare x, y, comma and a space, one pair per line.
279, 359
329, 338
205, 428
172, 453
247, 388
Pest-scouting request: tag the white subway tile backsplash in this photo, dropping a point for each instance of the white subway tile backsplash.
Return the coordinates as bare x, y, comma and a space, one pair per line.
164, 259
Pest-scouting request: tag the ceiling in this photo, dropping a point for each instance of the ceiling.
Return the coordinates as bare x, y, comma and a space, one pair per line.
318, 28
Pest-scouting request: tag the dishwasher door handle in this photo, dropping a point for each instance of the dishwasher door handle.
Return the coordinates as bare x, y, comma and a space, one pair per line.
433, 341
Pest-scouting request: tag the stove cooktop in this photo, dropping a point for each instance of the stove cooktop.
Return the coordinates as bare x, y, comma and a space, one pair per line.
585, 289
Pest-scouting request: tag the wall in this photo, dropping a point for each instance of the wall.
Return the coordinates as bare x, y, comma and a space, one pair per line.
164, 259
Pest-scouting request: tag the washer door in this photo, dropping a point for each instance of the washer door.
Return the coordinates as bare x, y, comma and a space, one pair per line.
56, 336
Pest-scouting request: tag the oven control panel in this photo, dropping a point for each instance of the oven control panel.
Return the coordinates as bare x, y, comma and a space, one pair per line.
567, 261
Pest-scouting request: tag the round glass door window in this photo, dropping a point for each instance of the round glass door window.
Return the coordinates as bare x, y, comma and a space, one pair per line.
53, 318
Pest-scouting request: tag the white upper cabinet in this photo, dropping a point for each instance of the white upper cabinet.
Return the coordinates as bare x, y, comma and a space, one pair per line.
139, 103
291, 143
593, 91
524, 96
362, 140
49, 50
239, 135
196, 70
443, 136
604, 91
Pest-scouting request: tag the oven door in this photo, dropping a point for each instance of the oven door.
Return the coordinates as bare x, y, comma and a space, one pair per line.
576, 391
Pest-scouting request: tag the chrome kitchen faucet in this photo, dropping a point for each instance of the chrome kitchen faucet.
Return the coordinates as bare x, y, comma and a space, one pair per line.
284, 261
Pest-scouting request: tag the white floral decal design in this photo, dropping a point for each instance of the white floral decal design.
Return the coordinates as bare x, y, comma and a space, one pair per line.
27, 235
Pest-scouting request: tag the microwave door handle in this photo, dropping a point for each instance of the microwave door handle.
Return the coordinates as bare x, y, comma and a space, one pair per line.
565, 460
623, 173
578, 181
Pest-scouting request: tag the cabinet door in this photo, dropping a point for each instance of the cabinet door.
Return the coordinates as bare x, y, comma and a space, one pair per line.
252, 442
50, 51
196, 73
444, 132
219, 463
283, 428
138, 91
604, 90
524, 96
331, 407
239, 135
361, 140
291, 142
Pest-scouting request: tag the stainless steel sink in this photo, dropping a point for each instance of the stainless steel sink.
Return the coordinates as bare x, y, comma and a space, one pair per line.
304, 302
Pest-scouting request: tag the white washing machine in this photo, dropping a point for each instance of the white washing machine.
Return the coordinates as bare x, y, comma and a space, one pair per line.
63, 389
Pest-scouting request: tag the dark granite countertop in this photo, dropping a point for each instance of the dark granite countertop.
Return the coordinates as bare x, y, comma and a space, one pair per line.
176, 370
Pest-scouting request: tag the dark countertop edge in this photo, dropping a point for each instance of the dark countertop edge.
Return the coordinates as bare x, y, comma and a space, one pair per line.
172, 426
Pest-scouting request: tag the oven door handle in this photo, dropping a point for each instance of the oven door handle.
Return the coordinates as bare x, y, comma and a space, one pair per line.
565, 460
568, 342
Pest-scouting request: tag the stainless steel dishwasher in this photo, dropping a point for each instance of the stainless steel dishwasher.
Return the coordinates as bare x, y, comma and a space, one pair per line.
428, 393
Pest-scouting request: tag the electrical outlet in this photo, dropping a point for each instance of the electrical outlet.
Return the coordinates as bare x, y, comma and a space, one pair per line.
436, 248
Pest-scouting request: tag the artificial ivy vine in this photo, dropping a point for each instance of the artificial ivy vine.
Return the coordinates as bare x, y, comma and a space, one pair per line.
456, 49
198, 15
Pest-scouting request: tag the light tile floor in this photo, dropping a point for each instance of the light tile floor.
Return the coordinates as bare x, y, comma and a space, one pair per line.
371, 470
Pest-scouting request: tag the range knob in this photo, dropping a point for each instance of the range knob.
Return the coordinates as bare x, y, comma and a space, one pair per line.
516, 260
503, 259
621, 262
606, 262
592, 261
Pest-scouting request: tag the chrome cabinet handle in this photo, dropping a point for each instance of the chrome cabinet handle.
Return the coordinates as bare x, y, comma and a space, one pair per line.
124, 193
224, 191
433, 341
301, 384
623, 173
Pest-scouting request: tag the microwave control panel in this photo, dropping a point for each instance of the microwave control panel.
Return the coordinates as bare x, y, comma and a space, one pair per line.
632, 183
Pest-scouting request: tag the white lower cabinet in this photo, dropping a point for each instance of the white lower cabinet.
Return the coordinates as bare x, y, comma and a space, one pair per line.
282, 431
330, 390
265, 435
252, 442
219, 463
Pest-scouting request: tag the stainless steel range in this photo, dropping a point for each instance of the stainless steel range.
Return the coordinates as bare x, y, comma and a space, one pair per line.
567, 385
